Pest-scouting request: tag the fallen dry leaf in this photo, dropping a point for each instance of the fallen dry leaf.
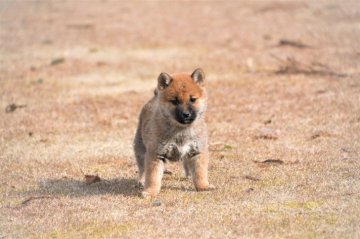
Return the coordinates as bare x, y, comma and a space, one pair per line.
57, 61
12, 107
267, 121
90, 179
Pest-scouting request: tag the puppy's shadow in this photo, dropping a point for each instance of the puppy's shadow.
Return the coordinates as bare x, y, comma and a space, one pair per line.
78, 188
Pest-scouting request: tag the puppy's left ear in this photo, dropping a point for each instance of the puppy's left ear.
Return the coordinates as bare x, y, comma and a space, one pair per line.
198, 76
164, 80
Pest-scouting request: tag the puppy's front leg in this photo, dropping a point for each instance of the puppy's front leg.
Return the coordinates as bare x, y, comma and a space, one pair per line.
154, 170
199, 166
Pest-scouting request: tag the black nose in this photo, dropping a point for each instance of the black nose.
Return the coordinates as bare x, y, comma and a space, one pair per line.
186, 115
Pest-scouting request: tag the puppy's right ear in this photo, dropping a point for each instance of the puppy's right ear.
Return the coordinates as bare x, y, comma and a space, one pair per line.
198, 76
164, 80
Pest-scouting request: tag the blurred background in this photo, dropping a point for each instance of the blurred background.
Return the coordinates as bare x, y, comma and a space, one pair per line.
110, 44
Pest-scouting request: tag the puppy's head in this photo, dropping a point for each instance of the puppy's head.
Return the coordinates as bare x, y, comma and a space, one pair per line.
182, 97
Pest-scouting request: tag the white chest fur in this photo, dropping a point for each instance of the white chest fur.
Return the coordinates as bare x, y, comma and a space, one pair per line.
184, 149
176, 152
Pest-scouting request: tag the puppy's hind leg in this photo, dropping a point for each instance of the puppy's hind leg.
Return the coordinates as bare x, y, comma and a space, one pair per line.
140, 150
187, 167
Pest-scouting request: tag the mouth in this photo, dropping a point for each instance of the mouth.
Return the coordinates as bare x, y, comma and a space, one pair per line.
185, 121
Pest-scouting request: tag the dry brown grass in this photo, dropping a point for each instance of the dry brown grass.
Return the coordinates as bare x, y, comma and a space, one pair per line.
80, 117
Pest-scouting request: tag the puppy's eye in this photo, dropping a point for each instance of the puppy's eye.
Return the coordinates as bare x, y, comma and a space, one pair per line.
193, 99
175, 101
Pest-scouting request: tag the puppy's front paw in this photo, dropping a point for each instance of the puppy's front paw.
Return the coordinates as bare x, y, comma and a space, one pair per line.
145, 194
148, 194
208, 187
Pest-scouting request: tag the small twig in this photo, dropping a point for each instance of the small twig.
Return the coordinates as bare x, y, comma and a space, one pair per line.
284, 42
251, 178
35, 198
274, 161
292, 66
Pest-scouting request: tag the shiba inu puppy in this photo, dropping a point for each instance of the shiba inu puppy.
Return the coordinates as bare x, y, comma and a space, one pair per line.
172, 128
